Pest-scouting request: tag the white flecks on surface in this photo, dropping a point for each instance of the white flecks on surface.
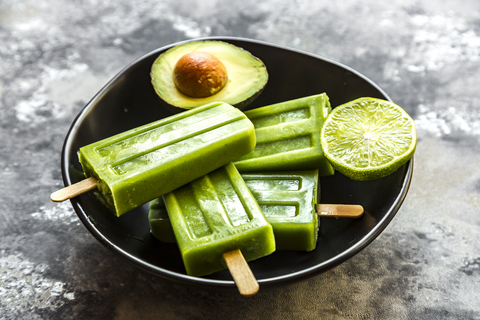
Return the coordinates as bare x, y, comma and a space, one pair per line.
61, 211
33, 24
441, 40
455, 119
37, 109
40, 107
189, 27
69, 295
24, 287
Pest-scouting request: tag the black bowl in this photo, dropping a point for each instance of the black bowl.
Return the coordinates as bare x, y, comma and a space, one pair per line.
129, 100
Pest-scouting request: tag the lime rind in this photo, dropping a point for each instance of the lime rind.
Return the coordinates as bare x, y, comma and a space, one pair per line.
368, 138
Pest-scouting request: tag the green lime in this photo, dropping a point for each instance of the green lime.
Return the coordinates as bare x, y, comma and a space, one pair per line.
368, 138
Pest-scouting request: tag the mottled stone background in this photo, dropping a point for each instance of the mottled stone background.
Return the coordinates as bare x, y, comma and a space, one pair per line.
55, 55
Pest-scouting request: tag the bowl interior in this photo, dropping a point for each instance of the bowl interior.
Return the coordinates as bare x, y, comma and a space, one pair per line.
129, 100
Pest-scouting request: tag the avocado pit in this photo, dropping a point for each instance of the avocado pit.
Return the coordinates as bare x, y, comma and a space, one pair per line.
199, 74
178, 77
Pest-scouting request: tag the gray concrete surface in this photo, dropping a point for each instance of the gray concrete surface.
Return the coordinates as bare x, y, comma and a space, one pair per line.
55, 55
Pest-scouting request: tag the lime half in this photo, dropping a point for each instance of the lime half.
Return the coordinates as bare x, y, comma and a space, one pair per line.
368, 138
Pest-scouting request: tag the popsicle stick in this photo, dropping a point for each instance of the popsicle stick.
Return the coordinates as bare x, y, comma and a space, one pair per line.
241, 273
74, 190
340, 210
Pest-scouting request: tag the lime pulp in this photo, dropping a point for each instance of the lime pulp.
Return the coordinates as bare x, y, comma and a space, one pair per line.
368, 138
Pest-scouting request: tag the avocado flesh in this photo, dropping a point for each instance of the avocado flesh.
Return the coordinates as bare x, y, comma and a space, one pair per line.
247, 75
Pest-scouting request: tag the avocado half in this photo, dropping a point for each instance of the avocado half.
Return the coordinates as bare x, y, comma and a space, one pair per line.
247, 75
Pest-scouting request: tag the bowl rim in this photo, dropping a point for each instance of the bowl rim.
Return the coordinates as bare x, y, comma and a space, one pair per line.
208, 282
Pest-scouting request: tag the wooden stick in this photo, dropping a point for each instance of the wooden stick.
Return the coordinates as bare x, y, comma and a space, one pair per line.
74, 190
340, 210
241, 273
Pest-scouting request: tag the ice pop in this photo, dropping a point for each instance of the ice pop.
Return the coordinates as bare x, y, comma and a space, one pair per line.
137, 166
216, 214
288, 136
288, 201
160, 225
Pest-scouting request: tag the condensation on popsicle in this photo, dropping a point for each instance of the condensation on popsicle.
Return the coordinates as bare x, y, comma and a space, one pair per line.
288, 136
216, 214
139, 165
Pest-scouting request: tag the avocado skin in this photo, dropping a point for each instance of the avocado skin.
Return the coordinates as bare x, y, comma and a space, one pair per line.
172, 107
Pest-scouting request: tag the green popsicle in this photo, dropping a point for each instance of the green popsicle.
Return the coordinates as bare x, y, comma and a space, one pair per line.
160, 225
216, 214
288, 201
288, 136
137, 166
